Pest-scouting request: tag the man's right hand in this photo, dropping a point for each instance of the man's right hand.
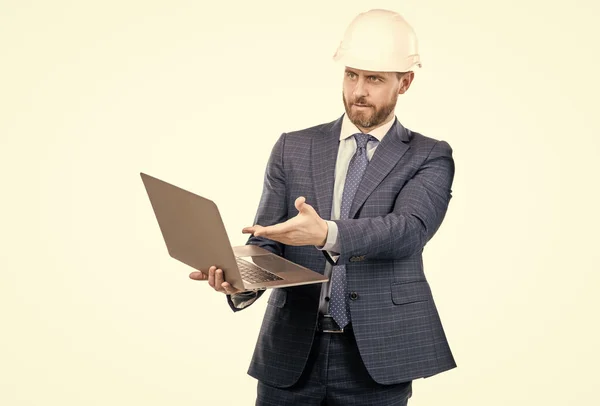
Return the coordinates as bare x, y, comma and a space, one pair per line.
215, 280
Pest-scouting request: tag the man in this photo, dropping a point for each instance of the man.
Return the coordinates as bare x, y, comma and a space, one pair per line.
356, 199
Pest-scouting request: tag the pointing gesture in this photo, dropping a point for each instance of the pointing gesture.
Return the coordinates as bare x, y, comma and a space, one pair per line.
307, 228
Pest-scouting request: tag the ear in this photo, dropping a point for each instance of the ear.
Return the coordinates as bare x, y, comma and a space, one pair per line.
405, 82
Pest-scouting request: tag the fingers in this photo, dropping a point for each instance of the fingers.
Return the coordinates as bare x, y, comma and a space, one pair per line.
260, 231
216, 280
251, 230
219, 279
230, 290
303, 207
299, 202
211, 276
198, 276
221, 285
270, 231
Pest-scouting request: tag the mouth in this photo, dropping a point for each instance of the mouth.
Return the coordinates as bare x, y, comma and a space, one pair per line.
361, 105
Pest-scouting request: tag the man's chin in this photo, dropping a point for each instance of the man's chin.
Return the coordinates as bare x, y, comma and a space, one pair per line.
360, 120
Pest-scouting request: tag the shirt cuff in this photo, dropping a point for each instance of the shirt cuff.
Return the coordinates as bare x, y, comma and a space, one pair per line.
243, 299
332, 244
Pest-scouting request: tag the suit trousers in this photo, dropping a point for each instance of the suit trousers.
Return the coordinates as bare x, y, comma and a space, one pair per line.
335, 376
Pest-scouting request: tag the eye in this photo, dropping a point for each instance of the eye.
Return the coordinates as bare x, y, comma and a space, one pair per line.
373, 78
350, 75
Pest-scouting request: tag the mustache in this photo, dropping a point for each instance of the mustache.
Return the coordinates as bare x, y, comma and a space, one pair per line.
361, 101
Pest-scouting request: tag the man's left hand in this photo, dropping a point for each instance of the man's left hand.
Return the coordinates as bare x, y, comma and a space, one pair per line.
307, 228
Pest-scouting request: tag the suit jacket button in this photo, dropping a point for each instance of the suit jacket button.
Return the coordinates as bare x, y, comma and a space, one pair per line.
353, 295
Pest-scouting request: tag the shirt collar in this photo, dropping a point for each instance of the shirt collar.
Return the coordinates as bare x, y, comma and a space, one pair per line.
349, 129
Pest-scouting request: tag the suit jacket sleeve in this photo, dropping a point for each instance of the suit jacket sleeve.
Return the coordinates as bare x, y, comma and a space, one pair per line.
418, 212
272, 209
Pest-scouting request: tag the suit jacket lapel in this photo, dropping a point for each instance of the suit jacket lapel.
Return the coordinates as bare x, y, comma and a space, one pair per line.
324, 156
388, 153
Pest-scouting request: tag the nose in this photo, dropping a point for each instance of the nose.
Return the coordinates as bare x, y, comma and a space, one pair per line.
360, 89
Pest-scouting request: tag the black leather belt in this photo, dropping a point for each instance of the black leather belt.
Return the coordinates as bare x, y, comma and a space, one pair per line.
326, 324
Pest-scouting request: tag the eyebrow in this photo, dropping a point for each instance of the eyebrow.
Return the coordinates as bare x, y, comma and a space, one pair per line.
367, 75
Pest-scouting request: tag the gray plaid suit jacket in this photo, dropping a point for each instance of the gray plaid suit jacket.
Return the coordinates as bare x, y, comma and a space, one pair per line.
399, 205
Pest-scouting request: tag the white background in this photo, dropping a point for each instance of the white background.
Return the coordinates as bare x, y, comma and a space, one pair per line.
94, 312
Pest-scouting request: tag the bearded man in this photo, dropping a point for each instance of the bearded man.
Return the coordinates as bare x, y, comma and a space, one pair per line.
356, 199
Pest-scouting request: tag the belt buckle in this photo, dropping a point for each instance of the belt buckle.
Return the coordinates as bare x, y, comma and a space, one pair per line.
333, 331
330, 317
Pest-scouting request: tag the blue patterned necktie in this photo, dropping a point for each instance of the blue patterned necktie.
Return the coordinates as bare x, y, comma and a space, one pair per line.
339, 308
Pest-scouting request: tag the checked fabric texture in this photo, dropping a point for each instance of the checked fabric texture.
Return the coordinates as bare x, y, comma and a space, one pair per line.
339, 308
399, 205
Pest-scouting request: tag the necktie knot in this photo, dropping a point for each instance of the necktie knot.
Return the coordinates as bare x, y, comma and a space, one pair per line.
362, 139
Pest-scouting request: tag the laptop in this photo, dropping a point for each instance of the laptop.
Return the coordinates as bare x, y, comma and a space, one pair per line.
194, 233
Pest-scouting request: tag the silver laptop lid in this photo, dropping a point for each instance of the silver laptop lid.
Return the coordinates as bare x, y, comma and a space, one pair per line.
192, 229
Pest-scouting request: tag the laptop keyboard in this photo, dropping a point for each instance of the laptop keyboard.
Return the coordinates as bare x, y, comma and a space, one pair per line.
253, 274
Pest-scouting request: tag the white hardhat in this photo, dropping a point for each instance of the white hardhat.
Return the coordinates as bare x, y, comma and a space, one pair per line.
381, 41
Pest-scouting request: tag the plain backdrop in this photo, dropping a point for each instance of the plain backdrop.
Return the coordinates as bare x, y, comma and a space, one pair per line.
93, 311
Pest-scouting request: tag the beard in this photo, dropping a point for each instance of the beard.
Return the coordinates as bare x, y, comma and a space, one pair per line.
371, 117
